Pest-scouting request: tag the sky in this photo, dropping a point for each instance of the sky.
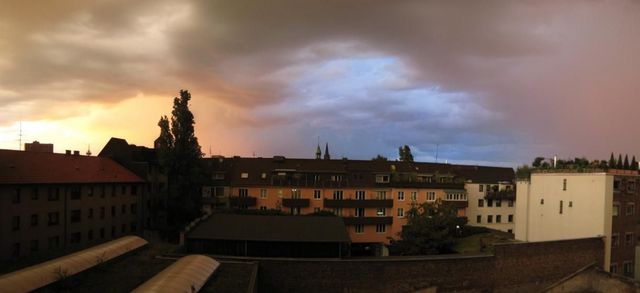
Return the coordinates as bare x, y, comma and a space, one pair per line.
475, 82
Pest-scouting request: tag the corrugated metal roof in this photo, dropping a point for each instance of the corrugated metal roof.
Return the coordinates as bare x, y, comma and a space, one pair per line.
188, 274
18, 167
40, 275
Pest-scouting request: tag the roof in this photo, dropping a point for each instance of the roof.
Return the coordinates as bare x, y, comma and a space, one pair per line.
43, 274
18, 167
188, 274
271, 228
485, 174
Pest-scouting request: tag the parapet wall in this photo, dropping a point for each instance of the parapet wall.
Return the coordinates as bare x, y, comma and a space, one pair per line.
524, 267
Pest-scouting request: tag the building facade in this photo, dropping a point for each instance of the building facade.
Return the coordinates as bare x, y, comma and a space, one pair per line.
492, 204
53, 202
373, 197
570, 205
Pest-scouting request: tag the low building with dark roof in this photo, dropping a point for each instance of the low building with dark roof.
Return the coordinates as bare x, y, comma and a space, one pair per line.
60, 202
269, 236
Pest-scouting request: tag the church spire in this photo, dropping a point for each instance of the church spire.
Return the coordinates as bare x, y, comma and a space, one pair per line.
327, 156
318, 152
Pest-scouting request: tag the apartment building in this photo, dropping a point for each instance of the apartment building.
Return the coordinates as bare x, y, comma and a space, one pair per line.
492, 199
560, 205
373, 197
51, 202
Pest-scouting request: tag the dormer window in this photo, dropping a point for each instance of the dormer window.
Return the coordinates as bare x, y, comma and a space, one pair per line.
382, 178
244, 175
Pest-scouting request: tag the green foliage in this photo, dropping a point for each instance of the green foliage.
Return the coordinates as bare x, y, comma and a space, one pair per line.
626, 165
404, 153
537, 162
179, 154
431, 229
523, 172
634, 163
380, 158
612, 161
619, 162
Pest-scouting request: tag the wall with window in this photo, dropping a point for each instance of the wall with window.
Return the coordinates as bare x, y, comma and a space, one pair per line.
494, 214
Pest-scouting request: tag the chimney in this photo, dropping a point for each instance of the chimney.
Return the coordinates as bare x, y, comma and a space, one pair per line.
555, 161
67, 152
76, 153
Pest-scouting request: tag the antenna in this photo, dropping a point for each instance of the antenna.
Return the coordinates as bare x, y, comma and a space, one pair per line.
89, 150
210, 151
437, 145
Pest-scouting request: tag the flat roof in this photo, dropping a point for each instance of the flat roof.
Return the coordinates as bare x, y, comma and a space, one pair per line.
188, 274
271, 228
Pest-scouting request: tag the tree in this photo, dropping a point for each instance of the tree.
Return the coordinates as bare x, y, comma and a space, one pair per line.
537, 162
404, 153
431, 229
380, 158
523, 172
619, 163
626, 165
612, 161
634, 163
179, 153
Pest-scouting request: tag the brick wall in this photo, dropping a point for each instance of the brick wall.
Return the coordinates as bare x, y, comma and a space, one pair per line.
520, 266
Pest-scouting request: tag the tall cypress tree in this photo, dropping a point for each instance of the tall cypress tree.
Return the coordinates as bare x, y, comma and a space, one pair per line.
612, 161
626, 165
619, 163
634, 163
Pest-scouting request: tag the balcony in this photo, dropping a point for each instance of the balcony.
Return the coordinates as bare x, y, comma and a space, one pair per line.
358, 203
501, 195
242, 201
295, 202
460, 204
367, 220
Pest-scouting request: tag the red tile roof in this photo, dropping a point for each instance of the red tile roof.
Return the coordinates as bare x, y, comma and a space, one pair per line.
18, 167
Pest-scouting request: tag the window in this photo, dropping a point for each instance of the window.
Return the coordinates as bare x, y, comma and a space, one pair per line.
123, 189
616, 185
53, 219
263, 193
54, 242
510, 231
382, 178
113, 190
629, 239
263, 176
490, 219
34, 220
570, 203
480, 202
631, 185
134, 190
34, 193
359, 229
101, 233
510, 203
631, 209
316, 210
123, 228
90, 213
90, 235
400, 213
34, 246
133, 226
336, 177
431, 196
113, 231
560, 207
499, 219
295, 193
381, 212
76, 216
113, 211
627, 267
400, 195
90, 191
76, 193
244, 175
75, 238
316, 178
360, 194
16, 196
414, 195
615, 239
613, 268
564, 184
542, 201
490, 202
337, 194
616, 209
337, 211
15, 223
381, 228
498, 203
103, 191
359, 212
510, 218
243, 192
317, 194
123, 209
101, 212
295, 210
479, 217
381, 194
134, 208
15, 251
263, 208
480, 187
54, 194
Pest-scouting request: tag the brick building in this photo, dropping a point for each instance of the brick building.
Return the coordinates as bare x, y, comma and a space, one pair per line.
557, 205
373, 197
51, 202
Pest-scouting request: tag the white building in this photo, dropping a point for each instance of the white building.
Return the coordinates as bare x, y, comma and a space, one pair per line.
491, 205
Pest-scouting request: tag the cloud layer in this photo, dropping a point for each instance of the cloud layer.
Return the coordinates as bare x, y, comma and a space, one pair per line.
495, 82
